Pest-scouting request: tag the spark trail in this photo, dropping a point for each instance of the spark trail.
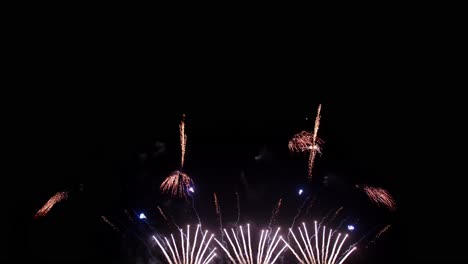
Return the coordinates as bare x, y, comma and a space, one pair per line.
109, 223
238, 208
183, 141
50, 203
274, 213
267, 252
318, 251
379, 234
315, 147
192, 253
218, 214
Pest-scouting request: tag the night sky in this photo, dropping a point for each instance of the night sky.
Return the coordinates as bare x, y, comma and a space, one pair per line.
111, 150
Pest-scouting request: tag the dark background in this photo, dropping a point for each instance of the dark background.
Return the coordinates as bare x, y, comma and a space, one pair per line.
386, 122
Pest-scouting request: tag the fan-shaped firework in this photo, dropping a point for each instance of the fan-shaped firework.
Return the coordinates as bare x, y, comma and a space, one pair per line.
318, 252
380, 197
243, 254
177, 184
191, 253
50, 203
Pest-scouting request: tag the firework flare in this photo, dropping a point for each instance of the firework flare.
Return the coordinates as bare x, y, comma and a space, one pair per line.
183, 141
380, 197
177, 184
318, 252
243, 254
50, 203
192, 253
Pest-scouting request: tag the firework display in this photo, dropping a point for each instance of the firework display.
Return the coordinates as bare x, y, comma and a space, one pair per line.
241, 245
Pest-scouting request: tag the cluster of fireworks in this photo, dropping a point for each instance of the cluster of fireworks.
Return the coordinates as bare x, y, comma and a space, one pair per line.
319, 248
323, 246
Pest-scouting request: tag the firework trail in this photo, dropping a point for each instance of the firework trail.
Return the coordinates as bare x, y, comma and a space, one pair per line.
183, 140
379, 234
238, 208
177, 184
318, 252
297, 215
274, 213
109, 223
380, 197
128, 215
315, 147
218, 214
336, 213
195, 210
310, 205
192, 253
50, 203
165, 218
243, 254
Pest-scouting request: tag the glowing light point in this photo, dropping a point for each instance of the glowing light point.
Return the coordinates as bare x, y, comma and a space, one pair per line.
142, 216
191, 190
300, 191
350, 227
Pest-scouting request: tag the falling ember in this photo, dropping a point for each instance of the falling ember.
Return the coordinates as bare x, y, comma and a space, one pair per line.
267, 252
50, 203
192, 251
109, 223
380, 197
177, 184
320, 251
183, 140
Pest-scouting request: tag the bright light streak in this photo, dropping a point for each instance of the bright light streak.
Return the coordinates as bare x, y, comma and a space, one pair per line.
142, 216
300, 191
350, 227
